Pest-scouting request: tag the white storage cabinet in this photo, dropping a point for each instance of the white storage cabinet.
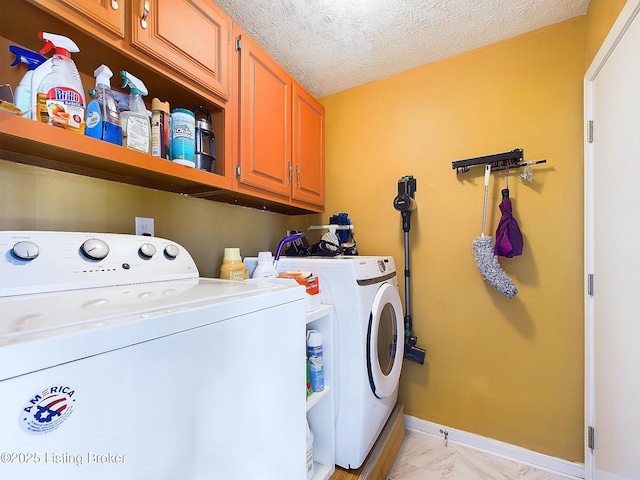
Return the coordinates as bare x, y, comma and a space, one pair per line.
320, 408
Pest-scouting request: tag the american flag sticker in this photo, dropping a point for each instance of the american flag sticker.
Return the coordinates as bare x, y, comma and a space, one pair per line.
47, 409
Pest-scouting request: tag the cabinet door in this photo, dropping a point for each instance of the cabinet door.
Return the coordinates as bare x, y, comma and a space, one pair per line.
193, 37
265, 121
107, 14
308, 148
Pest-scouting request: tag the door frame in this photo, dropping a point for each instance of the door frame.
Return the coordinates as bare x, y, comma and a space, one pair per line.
619, 28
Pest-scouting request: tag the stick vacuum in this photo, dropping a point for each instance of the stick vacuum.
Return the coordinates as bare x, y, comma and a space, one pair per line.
405, 203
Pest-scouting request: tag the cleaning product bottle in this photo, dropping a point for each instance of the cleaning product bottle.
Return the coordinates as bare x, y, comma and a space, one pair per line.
232, 267
310, 466
103, 119
265, 267
160, 134
316, 367
136, 127
56, 87
22, 94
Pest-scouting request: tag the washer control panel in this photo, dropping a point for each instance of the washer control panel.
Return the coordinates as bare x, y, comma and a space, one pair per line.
38, 262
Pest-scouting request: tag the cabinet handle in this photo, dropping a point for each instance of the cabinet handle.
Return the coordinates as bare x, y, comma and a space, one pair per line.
297, 177
145, 14
289, 179
114, 5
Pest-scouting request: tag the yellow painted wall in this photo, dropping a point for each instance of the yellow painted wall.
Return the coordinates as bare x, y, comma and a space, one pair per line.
600, 17
507, 369
511, 370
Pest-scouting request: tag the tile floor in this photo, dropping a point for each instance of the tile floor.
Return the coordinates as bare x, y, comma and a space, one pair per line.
426, 457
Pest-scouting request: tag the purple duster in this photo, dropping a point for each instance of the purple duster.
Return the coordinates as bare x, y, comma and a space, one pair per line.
509, 241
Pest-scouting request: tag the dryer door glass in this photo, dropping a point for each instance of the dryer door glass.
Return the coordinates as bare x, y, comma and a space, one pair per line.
385, 341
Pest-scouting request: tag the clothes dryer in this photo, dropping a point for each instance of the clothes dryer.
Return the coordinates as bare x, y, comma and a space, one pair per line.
369, 340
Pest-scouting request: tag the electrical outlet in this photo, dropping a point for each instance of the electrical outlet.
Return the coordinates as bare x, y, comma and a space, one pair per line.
144, 226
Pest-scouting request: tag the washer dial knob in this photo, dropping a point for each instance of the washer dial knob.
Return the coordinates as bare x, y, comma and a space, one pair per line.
25, 250
95, 249
171, 251
147, 250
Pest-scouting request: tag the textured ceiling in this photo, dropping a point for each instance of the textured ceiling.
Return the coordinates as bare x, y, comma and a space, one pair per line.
333, 45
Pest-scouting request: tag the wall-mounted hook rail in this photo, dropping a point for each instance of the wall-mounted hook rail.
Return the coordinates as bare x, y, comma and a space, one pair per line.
520, 165
497, 160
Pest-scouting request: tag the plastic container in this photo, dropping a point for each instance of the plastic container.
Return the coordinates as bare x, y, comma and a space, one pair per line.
136, 127
56, 87
310, 466
160, 133
22, 96
232, 267
103, 118
316, 364
183, 137
265, 267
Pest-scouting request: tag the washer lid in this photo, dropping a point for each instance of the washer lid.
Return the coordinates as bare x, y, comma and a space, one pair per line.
385, 341
43, 330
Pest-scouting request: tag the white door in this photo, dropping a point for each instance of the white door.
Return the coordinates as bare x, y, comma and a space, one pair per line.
612, 238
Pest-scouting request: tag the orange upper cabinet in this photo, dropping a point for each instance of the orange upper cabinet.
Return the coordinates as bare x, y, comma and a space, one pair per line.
308, 148
190, 36
264, 111
108, 15
280, 132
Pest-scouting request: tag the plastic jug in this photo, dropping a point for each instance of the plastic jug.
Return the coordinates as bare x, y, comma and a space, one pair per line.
232, 267
265, 267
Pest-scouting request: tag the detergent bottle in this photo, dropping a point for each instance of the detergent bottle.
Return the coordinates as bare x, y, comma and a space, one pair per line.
22, 95
103, 118
136, 127
56, 87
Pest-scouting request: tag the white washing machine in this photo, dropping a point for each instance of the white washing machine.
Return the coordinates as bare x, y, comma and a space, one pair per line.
118, 361
369, 331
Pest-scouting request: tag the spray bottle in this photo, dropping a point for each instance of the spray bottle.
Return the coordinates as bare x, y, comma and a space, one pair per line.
56, 87
136, 127
103, 119
22, 95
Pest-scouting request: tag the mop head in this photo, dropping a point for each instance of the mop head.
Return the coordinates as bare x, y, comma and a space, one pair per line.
490, 268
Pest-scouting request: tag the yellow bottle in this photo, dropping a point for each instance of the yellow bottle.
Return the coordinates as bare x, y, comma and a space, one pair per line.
232, 267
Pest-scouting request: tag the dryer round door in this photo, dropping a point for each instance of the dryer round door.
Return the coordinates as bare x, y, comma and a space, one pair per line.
385, 341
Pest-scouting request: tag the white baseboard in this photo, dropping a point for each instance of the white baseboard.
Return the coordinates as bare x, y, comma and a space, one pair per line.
521, 455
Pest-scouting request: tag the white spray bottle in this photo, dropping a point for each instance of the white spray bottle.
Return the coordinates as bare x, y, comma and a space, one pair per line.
136, 127
56, 87
22, 95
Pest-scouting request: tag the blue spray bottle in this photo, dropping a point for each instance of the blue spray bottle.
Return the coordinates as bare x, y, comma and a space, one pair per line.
22, 94
103, 118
